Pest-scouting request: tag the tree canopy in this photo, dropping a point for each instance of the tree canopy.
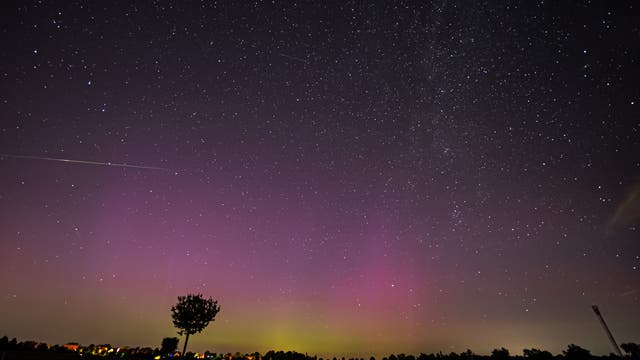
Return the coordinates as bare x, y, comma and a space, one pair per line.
576, 352
169, 345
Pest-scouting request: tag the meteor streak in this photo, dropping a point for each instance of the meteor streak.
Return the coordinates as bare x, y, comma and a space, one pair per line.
87, 162
294, 58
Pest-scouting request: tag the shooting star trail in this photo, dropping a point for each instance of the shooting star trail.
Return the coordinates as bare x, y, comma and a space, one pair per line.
86, 162
630, 292
294, 58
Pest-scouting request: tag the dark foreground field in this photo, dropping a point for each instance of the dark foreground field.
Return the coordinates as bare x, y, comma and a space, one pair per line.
280, 355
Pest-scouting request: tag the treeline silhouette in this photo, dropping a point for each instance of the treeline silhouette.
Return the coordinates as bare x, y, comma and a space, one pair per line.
14, 350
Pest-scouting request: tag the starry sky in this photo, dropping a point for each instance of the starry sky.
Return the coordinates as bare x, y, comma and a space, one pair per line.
346, 178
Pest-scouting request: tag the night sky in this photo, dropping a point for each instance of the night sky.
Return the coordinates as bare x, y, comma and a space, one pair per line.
346, 178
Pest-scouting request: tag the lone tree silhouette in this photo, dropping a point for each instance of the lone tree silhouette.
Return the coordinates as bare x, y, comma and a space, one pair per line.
192, 314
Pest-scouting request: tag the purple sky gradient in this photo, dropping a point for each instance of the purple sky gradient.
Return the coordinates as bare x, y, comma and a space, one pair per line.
346, 179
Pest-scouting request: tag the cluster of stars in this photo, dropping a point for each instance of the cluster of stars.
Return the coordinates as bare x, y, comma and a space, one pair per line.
373, 167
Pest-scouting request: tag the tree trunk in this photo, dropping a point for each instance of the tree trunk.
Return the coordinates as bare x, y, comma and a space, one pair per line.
184, 348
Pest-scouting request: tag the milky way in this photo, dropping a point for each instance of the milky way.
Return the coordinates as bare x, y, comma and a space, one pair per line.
346, 178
